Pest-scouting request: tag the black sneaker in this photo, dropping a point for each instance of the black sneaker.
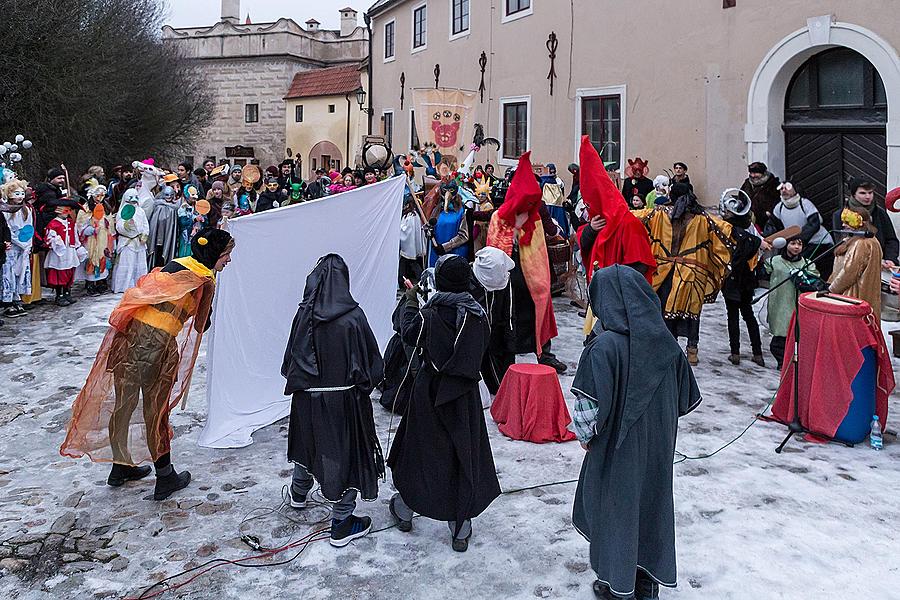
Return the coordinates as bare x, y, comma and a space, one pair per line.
169, 484
296, 500
12, 313
344, 532
122, 473
460, 544
402, 525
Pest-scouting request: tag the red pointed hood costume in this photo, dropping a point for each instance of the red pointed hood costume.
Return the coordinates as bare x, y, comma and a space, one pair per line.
524, 197
624, 240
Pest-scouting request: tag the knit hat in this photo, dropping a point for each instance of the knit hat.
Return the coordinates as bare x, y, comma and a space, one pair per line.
452, 274
54, 173
209, 244
218, 185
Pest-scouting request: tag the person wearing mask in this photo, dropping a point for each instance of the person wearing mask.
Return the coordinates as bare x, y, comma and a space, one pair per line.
762, 187
862, 198
794, 210
145, 360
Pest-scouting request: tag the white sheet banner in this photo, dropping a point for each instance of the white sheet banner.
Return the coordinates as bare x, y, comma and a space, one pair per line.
258, 293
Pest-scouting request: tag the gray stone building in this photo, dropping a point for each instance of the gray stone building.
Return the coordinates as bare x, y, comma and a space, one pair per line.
250, 67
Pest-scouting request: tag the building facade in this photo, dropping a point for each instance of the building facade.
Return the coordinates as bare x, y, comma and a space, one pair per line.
324, 122
250, 67
811, 87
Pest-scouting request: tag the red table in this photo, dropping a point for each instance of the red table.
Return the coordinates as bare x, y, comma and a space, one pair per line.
529, 405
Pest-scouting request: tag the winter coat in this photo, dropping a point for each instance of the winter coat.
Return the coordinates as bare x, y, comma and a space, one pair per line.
763, 198
859, 273
884, 232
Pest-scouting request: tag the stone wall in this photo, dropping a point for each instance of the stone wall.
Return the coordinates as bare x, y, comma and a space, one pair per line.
236, 83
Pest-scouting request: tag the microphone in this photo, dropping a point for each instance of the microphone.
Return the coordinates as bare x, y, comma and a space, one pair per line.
779, 243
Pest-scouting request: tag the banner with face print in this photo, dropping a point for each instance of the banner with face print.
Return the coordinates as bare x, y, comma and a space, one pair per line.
443, 116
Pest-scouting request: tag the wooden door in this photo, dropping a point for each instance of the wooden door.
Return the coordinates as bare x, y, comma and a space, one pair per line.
821, 163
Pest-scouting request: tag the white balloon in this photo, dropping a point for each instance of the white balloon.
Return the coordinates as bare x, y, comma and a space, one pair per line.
2, 150
14, 147
19, 138
7, 144
15, 157
27, 144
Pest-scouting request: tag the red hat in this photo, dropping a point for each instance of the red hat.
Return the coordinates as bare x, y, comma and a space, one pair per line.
523, 196
600, 194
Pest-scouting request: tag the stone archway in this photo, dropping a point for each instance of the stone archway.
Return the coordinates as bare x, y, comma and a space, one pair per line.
326, 151
765, 106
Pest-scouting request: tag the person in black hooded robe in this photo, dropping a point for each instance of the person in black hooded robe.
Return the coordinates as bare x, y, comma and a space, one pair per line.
332, 363
441, 458
626, 417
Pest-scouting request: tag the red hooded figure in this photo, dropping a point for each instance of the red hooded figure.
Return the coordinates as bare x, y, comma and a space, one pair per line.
524, 199
624, 240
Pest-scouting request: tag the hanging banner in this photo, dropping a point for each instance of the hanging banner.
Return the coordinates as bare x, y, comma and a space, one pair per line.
443, 118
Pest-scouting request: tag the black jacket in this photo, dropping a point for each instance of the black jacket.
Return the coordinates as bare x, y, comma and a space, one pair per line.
5, 237
763, 198
885, 232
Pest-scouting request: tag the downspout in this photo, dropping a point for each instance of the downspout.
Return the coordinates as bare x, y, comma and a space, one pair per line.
347, 159
368, 21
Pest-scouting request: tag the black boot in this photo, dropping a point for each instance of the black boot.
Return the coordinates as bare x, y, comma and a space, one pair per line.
602, 591
68, 296
644, 587
551, 361
166, 485
119, 474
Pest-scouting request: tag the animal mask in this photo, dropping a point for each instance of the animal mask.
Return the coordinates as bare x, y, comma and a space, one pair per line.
296, 188
637, 167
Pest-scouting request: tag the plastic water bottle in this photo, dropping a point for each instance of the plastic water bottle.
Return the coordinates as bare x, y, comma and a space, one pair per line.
875, 439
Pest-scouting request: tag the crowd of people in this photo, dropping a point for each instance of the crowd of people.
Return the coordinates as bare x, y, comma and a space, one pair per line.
480, 260
110, 231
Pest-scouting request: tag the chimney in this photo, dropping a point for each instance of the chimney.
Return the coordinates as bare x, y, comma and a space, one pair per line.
348, 21
312, 26
231, 10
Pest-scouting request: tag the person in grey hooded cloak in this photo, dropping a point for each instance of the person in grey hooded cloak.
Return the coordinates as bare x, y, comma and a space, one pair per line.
626, 417
163, 240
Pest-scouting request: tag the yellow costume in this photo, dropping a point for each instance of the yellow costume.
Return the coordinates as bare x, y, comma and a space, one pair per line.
693, 255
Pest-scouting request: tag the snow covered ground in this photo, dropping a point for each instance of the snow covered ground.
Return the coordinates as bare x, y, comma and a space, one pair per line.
818, 521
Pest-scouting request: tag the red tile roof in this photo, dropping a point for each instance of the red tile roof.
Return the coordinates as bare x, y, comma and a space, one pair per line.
325, 82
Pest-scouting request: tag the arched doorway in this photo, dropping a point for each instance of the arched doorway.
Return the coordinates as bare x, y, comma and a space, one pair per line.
324, 155
764, 133
835, 117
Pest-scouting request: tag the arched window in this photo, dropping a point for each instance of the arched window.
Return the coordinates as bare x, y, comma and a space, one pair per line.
837, 84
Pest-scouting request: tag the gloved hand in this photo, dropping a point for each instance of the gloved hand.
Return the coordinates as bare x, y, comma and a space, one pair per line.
438, 248
412, 295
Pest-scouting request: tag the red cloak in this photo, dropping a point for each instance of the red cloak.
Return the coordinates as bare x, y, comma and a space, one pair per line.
624, 240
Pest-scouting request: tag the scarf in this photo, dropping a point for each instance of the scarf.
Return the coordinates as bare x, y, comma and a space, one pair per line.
196, 267
792, 202
857, 205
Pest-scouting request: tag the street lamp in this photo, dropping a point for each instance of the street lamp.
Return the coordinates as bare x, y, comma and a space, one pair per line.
361, 100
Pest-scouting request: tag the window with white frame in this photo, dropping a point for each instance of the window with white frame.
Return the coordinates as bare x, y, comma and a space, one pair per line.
600, 118
514, 117
514, 9
459, 17
420, 27
387, 120
389, 37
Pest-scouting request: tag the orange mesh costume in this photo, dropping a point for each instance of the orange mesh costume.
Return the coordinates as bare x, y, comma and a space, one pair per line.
147, 357
524, 197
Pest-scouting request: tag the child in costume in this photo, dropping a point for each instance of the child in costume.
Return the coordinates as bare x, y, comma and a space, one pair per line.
190, 222
17, 268
131, 248
97, 231
789, 263
66, 252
